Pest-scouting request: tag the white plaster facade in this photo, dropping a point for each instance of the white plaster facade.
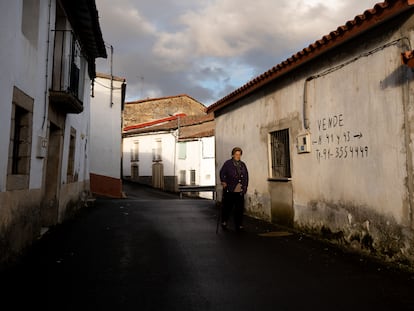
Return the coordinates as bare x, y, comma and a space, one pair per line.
105, 136
198, 157
148, 148
46, 192
356, 184
199, 160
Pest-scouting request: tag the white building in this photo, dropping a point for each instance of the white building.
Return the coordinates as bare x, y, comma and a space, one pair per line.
327, 135
195, 153
106, 135
47, 60
165, 153
148, 158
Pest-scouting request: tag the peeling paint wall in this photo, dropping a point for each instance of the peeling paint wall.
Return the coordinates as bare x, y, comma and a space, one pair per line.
19, 222
355, 187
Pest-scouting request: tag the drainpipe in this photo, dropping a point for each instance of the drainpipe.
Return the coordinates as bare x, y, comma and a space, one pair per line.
407, 129
305, 104
47, 64
112, 75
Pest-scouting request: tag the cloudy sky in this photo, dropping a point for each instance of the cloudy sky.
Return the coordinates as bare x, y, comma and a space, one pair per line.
208, 48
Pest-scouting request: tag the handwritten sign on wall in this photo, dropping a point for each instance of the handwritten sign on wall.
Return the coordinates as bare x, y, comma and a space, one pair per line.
335, 141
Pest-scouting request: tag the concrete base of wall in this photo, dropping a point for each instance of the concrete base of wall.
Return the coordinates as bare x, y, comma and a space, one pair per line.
20, 216
106, 186
357, 228
19, 221
73, 196
170, 184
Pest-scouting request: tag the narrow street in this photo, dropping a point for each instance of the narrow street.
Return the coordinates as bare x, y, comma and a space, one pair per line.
153, 251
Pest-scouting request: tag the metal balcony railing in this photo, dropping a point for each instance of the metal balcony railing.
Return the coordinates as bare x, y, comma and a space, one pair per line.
67, 78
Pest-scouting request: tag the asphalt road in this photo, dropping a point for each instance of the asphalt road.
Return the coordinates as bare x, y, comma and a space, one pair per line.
153, 251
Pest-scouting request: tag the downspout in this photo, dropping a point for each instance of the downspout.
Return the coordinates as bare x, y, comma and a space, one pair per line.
407, 138
305, 104
123, 90
47, 65
112, 75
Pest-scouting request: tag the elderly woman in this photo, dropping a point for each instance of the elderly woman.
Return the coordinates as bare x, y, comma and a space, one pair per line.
234, 179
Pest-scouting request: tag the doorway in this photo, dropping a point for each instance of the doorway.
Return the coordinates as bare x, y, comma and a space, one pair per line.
50, 206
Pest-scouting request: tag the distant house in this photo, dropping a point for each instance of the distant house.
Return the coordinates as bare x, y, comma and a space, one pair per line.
47, 60
327, 134
177, 149
106, 135
195, 152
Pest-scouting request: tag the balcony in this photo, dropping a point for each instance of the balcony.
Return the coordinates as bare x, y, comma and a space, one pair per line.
68, 77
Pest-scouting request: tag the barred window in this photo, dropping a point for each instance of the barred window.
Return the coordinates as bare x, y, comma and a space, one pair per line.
20, 144
192, 177
280, 154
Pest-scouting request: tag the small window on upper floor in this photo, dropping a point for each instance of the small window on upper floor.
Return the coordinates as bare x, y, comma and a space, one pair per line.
157, 151
30, 20
182, 150
135, 151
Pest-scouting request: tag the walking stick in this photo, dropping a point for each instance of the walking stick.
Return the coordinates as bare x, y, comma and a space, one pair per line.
219, 216
220, 210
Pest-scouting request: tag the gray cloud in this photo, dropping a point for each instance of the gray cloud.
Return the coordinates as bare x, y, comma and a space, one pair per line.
206, 49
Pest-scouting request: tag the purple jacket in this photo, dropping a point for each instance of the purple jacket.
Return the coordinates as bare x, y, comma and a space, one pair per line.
230, 176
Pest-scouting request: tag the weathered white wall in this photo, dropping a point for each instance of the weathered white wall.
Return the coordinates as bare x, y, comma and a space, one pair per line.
357, 195
146, 145
202, 162
28, 66
207, 166
24, 66
105, 137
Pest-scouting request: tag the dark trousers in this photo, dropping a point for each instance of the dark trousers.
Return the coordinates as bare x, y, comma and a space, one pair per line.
233, 202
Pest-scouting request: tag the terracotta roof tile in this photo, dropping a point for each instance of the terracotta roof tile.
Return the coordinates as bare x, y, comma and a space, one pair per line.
169, 123
107, 76
370, 18
161, 98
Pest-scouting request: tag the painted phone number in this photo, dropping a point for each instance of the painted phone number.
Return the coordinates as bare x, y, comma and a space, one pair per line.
343, 152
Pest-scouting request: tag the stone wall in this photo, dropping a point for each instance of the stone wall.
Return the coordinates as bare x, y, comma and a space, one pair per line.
154, 109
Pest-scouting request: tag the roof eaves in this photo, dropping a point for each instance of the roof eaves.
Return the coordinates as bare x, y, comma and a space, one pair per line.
162, 98
361, 23
154, 123
108, 76
84, 18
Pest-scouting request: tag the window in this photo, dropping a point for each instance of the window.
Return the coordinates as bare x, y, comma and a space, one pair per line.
30, 20
280, 154
157, 151
71, 159
20, 141
192, 177
182, 151
135, 152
